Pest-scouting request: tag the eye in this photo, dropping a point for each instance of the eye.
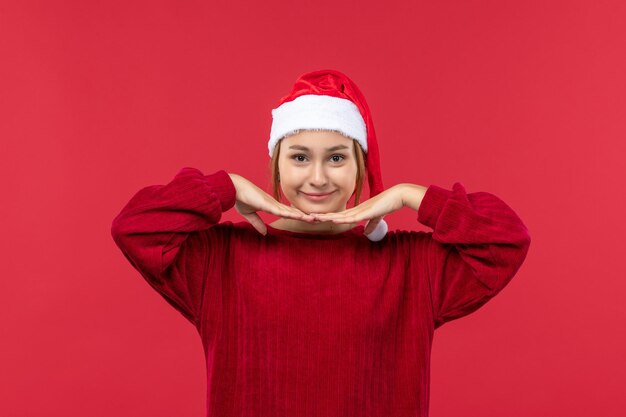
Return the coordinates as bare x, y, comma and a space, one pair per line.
295, 157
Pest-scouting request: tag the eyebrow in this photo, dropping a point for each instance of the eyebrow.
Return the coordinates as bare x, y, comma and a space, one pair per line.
304, 148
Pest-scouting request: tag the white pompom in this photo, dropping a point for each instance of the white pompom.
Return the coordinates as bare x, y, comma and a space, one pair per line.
379, 231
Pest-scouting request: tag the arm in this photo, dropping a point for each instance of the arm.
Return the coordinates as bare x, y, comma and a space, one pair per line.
160, 232
477, 245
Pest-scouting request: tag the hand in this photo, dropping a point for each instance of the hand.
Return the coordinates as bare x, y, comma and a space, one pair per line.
373, 210
251, 199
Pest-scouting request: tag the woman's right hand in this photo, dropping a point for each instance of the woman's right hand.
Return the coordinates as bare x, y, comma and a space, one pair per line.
251, 199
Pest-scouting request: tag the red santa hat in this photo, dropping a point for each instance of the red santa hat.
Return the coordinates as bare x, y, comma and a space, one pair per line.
328, 99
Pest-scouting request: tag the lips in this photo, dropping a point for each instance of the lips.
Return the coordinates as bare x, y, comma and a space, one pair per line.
317, 197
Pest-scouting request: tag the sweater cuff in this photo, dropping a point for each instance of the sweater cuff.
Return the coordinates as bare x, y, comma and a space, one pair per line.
223, 186
432, 205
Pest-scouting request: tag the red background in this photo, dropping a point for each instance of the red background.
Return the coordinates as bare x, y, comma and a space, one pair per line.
521, 99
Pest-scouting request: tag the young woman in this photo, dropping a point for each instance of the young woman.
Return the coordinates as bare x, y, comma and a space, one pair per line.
315, 313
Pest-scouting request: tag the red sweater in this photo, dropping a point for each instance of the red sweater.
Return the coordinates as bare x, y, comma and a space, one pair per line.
300, 324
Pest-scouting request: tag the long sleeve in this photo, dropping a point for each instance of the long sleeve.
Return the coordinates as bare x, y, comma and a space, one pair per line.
161, 231
477, 245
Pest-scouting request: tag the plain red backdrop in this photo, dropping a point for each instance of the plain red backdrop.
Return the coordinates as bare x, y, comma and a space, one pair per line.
521, 99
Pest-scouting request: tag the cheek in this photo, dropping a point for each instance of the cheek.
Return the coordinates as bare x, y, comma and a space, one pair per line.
349, 178
293, 177
289, 185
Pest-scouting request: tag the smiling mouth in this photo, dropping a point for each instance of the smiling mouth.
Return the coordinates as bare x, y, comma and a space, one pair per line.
316, 197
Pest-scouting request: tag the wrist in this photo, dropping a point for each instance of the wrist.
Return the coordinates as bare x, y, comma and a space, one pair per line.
235, 179
412, 195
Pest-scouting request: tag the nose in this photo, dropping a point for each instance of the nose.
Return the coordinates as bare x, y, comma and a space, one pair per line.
318, 176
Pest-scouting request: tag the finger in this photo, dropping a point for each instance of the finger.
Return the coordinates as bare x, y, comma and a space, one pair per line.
294, 213
282, 210
327, 215
305, 216
352, 210
291, 214
256, 222
335, 217
344, 219
343, 216
297, 210
358, 208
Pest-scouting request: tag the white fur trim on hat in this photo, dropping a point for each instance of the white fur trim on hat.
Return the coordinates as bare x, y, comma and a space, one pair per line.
379, 231
312, 111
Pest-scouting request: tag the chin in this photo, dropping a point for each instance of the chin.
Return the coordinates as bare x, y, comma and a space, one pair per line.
311, 208
320, 208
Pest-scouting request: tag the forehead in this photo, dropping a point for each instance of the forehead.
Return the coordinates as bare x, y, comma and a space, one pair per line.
317, 140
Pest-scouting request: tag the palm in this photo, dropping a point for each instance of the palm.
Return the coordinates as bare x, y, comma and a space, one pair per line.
250, 199
372, 210
244, 208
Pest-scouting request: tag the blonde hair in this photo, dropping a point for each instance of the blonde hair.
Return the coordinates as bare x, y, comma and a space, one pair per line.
358, 154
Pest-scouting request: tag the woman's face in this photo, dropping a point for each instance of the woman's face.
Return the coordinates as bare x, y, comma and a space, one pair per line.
317, 162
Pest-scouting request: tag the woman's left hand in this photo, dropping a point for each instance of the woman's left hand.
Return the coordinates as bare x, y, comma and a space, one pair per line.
373, 210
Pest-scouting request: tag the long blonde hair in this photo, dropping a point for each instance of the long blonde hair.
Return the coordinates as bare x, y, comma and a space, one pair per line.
358, 154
